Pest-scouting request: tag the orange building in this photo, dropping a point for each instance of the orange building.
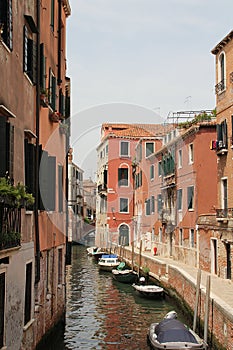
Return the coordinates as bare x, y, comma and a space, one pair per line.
218, 227
115, 181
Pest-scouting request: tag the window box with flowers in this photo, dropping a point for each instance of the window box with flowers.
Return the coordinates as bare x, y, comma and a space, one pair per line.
55, 117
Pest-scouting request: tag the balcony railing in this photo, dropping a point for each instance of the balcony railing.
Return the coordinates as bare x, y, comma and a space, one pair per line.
10, 226
102, 188
220, 87
224, 214
167, 216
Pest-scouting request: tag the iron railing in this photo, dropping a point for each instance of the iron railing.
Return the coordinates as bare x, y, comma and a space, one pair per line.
226, 213
10, 226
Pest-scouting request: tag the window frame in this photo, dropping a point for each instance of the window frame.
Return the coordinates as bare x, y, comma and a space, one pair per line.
121, 199
191, 153
190, 198
124, 155
149, 152
121, 178
6, 18
152, 172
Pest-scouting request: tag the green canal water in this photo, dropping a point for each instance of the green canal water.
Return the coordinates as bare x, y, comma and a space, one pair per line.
102, 313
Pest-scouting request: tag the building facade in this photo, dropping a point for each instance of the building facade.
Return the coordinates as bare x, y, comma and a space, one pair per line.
217, 228
34, 108
115, 224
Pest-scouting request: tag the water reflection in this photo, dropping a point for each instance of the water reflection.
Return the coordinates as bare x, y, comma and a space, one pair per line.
103, 313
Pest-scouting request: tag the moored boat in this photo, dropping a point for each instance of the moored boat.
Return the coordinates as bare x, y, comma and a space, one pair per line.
171, 334
125, 275
108, 262
149, 291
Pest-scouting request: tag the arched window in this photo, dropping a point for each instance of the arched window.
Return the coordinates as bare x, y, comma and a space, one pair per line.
221, 73
124, 234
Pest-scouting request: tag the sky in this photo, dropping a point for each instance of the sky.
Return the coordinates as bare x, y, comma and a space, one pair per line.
138, 61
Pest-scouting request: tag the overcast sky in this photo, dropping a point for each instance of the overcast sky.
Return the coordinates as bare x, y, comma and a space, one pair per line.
138, 60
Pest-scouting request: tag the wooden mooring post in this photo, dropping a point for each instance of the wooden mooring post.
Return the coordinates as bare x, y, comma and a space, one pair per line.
197, 300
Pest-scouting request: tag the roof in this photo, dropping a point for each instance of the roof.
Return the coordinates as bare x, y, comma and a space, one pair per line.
133, 130
222, 43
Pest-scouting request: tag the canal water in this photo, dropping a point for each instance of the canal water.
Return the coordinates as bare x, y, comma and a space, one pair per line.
102, 313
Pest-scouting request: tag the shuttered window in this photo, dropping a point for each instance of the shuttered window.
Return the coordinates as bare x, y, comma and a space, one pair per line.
6, 20
29, 58
52, 90
42, 68
30, 154
6, 148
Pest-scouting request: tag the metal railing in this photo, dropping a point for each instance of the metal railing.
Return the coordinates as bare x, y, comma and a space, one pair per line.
10, 226
225, 213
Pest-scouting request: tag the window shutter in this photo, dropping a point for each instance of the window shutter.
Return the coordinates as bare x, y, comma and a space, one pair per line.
29, 166
42, 67
51, 183
60, 186
53, 101
43, 180
10, 149
34, 62
3, 155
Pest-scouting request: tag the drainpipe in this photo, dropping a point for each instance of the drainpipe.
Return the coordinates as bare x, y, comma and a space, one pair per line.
59, 80
37, 233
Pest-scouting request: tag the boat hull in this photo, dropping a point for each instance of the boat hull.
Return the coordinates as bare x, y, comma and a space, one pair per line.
153, 339
125, 276
149, 291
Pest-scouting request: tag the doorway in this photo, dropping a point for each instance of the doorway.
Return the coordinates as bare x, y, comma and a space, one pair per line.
228, 253
214, 256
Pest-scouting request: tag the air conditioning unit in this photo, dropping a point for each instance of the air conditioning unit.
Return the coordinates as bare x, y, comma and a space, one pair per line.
220, 144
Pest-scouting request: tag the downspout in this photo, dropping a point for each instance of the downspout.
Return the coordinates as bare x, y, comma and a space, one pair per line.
36, 215
59, 80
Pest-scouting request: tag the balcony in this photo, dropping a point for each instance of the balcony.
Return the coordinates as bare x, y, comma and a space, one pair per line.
10, 226
220, 87
167, 216
224, 214
102, 189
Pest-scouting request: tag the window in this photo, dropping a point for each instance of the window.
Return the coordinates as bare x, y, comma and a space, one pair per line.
190, 197
180, 158
147, 204
124, 205
29, 57
159, 203
152, 209
2, 308
6, 148
6, 20
222, 135
52, 90
224, 198
152, 172
60, 274
191, 238
221, 73
149, 148
179, 199
160, 235
139, 152
123, 177
191, 153
124, 149
160, 169
28, 294
181, 237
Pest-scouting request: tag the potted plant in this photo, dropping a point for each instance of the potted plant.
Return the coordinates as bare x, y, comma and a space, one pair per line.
15, 196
